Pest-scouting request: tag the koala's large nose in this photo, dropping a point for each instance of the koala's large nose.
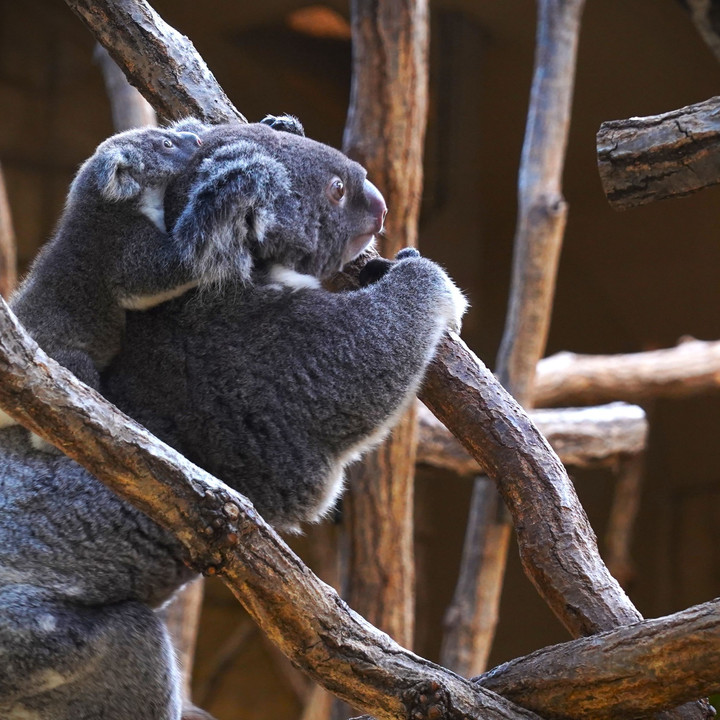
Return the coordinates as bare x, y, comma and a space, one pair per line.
376, 204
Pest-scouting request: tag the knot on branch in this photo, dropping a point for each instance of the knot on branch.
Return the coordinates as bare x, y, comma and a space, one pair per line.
429, 701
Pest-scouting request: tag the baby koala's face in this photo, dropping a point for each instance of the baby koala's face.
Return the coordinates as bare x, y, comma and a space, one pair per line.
166, 152
254, 194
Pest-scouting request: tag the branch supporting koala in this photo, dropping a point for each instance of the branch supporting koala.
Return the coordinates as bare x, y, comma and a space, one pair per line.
643, 159
160, 62
628, 672
225, 536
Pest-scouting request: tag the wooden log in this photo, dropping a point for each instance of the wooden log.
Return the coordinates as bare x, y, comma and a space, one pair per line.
629, 672
690, 368
582, 437
643, 159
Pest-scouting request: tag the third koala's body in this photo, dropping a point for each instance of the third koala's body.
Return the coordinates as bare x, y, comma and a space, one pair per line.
274, 385
110, 252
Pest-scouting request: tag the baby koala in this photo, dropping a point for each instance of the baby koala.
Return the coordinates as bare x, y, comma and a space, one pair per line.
110, 251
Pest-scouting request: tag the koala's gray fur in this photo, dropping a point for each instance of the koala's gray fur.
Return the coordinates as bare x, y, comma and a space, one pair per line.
110, 252
274, 384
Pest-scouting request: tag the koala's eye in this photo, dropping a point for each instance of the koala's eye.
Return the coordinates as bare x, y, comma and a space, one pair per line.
336, 190
167, 143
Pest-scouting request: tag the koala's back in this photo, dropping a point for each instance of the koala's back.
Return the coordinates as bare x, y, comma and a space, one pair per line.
62, 530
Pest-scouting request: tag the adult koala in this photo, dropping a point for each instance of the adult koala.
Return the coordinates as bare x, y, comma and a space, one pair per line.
273, 384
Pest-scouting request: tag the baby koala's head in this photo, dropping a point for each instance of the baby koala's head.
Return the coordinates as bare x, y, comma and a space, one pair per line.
126, 164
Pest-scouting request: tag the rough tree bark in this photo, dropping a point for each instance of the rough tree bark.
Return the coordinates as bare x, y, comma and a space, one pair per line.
582, 437
385, 132
160, 62
471, 621
643, 159
690, 368
628, 672
8, 260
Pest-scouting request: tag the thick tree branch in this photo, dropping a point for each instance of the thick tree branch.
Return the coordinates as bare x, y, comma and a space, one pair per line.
224, 536
542, 213
385, 131
643, 159
160, 62
691, 368
628, 672
582, 437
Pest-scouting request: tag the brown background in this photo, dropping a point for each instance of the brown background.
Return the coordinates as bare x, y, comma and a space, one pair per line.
630, 281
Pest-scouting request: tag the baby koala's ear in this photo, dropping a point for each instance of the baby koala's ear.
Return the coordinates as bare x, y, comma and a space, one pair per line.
284, 123
117, 169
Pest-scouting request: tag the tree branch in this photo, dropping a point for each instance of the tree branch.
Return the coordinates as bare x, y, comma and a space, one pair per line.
643, 159
225, 536
542, 213
582, 437
624, 673
690, 368
385, 131
160, 62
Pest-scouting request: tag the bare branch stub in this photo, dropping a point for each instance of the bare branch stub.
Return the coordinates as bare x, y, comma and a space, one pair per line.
643, 159
625, 673
160, 62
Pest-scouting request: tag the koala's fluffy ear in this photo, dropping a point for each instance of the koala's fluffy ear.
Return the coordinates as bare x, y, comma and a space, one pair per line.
284, 123
116, 171
231, 202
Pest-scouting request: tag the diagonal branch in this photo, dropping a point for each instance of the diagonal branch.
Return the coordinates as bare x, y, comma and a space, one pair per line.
160, 62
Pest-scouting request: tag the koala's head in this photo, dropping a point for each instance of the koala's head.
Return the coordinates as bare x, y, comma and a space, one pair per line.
127, 163
254, 195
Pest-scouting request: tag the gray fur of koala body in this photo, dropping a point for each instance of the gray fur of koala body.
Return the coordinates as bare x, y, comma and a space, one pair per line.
274, 385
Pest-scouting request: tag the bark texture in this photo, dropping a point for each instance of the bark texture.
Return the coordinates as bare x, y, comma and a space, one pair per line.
628, 672
160, 62
691, 368
582, 437
385, 132
643, 159
542, 213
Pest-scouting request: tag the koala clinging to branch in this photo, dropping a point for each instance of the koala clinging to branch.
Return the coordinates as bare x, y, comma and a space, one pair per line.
274, 384
110, 252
